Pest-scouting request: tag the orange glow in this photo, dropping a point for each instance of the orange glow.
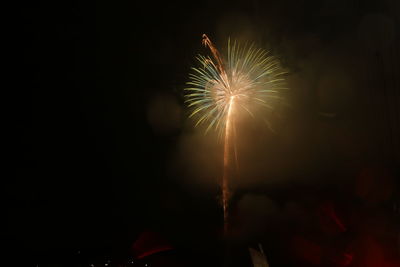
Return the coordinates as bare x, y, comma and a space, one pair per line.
225, 184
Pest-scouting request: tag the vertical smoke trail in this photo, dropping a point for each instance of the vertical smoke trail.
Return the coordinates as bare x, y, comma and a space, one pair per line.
225, 177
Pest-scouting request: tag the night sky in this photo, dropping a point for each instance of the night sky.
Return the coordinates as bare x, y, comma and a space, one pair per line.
90, 170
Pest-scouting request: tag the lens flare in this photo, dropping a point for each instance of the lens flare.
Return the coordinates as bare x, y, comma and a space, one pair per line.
221, 88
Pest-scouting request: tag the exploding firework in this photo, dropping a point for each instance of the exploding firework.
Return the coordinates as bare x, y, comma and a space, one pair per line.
221, 88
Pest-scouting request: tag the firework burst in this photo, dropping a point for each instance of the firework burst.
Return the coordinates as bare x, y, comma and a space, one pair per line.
221, 88
246, 79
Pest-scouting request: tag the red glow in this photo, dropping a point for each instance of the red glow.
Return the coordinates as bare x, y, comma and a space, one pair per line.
306, 250
329, 210
374, 254
149, 243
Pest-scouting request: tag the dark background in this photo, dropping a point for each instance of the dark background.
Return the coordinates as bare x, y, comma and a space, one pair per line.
87, 168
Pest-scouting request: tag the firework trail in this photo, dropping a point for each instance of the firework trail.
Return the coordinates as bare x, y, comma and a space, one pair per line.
222, 88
